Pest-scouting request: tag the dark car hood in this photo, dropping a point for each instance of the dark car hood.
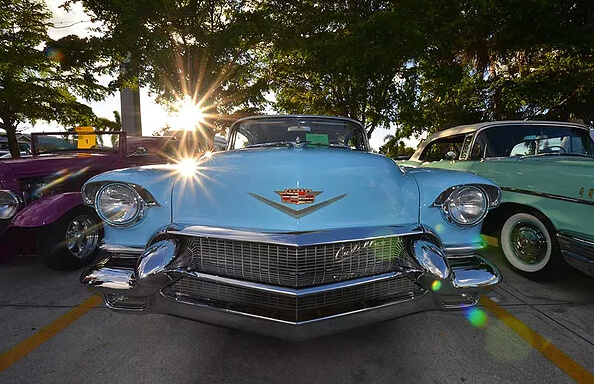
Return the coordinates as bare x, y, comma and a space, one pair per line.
46, 165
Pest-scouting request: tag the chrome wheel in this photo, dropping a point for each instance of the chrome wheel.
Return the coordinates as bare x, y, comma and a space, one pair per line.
528, 243
82, 236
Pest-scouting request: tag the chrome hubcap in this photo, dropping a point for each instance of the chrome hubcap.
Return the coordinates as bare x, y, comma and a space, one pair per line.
528, 243
82, 236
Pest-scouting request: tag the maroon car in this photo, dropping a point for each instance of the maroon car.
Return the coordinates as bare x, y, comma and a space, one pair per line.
41, 210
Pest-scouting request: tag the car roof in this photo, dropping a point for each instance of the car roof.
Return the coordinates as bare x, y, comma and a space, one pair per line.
255, 117
469, 128
472, 128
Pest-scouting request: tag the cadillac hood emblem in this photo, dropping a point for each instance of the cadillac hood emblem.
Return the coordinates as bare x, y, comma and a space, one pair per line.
297, 196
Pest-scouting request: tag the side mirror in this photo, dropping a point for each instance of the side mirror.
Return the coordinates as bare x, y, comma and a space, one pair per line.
450, 155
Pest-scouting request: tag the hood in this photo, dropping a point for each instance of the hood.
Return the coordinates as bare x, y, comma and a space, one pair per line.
259, 189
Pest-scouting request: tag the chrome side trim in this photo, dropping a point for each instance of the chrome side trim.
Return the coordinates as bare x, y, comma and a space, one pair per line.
291, 291
298, 238
120, 249
548, 195
578, 252
572, 238
462, 250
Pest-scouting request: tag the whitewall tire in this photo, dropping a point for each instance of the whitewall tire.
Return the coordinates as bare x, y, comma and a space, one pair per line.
527, 243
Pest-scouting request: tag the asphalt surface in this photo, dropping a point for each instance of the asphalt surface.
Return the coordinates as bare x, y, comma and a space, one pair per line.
101, 346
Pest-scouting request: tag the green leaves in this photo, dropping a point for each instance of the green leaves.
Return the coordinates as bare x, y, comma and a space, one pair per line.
36, 82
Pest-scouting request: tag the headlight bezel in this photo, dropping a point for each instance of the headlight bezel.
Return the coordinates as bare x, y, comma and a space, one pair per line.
141, 205
17, 200
491, 198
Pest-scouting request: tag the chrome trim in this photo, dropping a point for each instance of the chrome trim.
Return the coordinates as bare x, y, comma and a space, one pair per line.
492, 192
292, 292
462, 250
139, 200
286, 330
468, 278
297, 239
110, 279
474, 273
578, 252
431, 258
297, 214
89, 195
441, 202
547, 195
573, 238
19, 202
120, 249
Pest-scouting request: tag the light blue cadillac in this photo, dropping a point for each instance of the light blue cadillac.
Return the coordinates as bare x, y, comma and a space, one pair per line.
296, 231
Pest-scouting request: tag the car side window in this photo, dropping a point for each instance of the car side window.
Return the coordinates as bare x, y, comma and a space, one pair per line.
478, 150
440, 149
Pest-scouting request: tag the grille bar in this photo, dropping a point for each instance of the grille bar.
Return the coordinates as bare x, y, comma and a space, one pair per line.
293, 308
293, 266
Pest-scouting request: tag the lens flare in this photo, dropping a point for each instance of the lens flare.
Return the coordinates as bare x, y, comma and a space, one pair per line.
189, 114
482, 241
439, 228
55, 55
436, 286
477, 317
187, 167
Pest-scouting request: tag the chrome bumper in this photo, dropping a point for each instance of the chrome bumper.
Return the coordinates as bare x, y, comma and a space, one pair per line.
578, 252
441, 282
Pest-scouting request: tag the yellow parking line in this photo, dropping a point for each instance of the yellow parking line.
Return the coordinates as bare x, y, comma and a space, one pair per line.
542, 345
24, 348
492, 241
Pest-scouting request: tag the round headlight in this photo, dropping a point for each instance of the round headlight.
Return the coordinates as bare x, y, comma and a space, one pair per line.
466, 205
118, 204
9, 204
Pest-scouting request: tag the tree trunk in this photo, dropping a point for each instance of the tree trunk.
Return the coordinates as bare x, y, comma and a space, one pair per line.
13, 144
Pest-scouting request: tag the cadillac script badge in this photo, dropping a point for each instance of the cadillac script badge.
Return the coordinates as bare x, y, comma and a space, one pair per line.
298, 196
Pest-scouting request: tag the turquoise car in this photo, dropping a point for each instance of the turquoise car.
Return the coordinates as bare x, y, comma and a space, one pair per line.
546, 173
295, 231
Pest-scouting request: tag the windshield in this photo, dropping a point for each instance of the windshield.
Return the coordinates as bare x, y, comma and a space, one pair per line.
311, 131
45, 143
532, 140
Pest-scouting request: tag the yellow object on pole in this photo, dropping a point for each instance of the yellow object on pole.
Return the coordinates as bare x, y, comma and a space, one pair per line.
86, 137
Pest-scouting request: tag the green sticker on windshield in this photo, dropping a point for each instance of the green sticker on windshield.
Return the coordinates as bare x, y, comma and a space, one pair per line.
317, 139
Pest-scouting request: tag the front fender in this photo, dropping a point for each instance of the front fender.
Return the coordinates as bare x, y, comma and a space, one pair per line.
46, 210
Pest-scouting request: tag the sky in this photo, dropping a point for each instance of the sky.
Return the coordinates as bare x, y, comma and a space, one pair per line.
153, 115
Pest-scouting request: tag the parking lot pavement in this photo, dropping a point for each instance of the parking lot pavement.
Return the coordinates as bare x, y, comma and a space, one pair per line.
479, 346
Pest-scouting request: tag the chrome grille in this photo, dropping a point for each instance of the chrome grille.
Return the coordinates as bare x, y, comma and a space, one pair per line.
293, 266
293, 308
